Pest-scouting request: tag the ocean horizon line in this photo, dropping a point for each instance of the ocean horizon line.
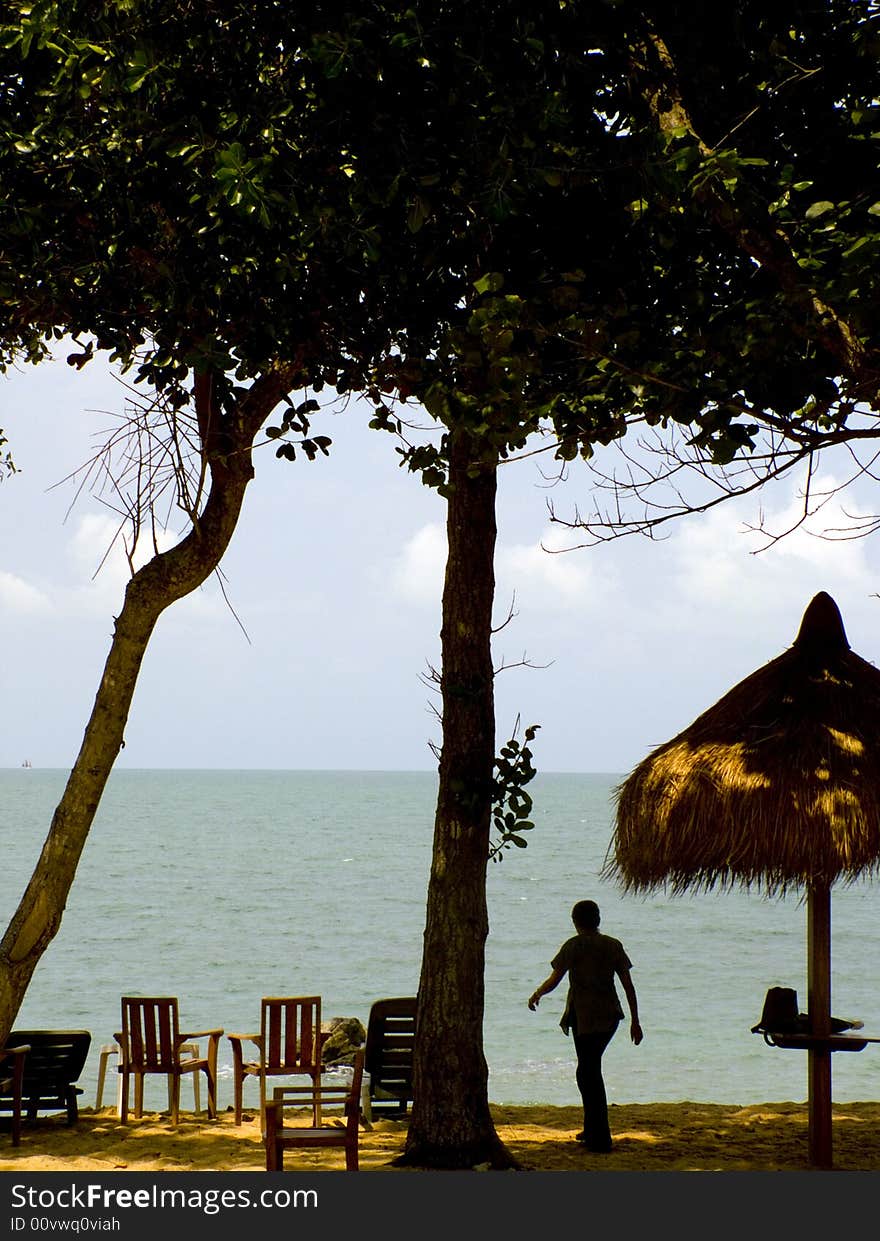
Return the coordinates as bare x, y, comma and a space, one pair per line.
378, 771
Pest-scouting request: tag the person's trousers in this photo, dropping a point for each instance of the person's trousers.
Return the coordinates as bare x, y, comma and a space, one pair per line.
589, 1048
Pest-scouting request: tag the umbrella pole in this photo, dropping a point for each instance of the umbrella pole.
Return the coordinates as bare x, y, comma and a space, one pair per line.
819, 1008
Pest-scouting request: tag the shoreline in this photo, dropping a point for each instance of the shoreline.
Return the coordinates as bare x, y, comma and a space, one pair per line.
648, 1137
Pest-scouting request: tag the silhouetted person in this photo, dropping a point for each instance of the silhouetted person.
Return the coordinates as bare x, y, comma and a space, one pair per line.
592, 1010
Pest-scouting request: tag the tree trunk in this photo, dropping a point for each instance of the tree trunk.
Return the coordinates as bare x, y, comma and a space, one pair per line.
451, 1126
226, 444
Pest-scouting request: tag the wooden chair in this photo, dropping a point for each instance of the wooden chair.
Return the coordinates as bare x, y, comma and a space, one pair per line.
151, 1042
289, 1043
389, 1055
12, 1062
112, 1049
280, 1137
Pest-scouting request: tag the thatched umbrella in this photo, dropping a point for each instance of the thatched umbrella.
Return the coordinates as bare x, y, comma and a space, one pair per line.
776, 788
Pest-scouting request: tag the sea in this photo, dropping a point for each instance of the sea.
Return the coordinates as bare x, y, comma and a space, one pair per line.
220, 887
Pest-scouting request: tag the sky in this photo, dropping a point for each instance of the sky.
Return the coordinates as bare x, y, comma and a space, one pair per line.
314, 653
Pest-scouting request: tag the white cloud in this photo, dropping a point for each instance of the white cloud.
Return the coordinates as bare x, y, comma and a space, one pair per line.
808, 543
417, 575
100, 542
17, 595
720, 566
531, 571
551, 577
98, 558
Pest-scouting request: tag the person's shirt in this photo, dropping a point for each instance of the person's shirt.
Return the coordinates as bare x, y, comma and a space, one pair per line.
591, 960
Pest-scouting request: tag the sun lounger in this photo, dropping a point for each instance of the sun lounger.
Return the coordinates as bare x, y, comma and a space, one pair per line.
389, 1055
52, 1067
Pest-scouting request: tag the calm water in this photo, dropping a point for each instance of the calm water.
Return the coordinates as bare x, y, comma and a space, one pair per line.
222, 887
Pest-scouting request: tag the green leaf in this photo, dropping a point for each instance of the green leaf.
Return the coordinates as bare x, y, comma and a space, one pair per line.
490, 283
857, 245
419, 211
818, 209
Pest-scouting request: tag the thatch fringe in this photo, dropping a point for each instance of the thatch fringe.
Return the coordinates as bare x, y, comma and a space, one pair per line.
774, 787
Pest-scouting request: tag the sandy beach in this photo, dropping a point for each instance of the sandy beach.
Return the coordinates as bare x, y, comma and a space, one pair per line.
660, 1137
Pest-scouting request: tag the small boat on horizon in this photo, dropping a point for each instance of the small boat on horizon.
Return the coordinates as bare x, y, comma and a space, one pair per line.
27, 763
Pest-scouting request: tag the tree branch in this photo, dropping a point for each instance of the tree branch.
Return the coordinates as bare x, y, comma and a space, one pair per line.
655, 72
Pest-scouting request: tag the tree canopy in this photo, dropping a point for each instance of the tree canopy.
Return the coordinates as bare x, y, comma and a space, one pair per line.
225, 192
755, 340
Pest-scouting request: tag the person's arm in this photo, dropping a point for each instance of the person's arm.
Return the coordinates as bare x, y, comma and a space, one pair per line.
635, 1030
552, 980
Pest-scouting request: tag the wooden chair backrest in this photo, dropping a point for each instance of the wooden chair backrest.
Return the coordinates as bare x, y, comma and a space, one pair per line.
389, 1047
152, 1033
56, 1057
291, 1031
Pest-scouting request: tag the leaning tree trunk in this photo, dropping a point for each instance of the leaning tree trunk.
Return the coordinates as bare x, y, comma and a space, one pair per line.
226, 444
451, 1126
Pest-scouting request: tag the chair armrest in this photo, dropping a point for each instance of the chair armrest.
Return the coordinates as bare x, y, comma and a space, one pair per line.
239, 1038
213, 1037
17, 1056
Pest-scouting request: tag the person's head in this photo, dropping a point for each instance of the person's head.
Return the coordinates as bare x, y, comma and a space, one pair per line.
585, 915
